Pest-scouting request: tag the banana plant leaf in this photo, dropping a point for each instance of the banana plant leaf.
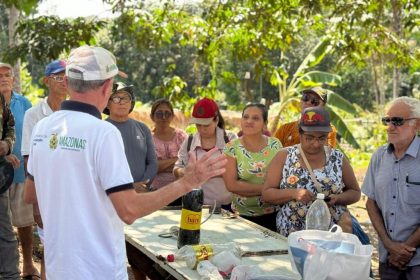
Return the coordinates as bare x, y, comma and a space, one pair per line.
340, 102
342, 129
316, 78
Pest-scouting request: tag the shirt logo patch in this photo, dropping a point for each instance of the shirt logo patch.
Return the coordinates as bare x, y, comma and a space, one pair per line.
67, 143
53, 141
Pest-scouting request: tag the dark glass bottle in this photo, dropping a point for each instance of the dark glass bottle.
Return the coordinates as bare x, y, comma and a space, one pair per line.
189, 226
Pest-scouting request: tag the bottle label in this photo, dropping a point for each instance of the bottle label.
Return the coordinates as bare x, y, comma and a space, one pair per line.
190, 220
203, 252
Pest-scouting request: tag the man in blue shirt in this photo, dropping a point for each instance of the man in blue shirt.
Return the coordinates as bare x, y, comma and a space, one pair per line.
22, 215
392, 185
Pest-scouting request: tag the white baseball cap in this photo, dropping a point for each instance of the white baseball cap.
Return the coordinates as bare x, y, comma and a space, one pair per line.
7, 65
91, 63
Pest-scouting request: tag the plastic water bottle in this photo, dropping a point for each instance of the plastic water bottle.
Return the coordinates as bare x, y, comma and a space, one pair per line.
318, 216
193, 254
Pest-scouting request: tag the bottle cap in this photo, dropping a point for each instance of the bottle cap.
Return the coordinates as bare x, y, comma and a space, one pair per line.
170, 258
320, 196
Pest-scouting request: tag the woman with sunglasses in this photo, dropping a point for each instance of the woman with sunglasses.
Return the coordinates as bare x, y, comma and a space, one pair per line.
288, 133
167, 141
210, 133
248, 160
138, 142
299, 172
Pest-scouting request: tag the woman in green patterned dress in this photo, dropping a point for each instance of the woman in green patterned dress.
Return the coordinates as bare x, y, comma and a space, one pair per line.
248, 159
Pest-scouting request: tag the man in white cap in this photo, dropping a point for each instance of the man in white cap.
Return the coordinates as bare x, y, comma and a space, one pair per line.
21, 212
9, 257
79, 175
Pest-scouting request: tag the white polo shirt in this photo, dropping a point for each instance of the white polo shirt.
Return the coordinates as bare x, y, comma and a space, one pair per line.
32, 116
76, 160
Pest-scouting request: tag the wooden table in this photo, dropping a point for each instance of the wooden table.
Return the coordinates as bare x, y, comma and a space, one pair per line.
147, 248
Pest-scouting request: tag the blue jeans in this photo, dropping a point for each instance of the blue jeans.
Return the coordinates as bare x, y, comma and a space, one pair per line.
9, 257
358, 231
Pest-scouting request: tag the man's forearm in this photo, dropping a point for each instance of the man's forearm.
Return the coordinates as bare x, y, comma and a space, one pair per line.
414, 239
377, 220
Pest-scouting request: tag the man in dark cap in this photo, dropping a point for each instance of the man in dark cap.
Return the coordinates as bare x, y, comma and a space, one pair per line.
138, 142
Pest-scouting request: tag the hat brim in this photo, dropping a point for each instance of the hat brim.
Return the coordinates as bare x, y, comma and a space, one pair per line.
57, 71
322, 97
202, 121
316, 128
6, 65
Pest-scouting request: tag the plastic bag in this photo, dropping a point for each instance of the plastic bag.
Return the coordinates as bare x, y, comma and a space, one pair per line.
244, 272
319, 255
225, 261
208, 271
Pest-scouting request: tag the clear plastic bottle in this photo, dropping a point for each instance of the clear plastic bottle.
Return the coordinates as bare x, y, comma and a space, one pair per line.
192, 254
318, 216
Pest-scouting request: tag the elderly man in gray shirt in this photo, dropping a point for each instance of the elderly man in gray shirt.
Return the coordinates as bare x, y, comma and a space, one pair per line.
392, 185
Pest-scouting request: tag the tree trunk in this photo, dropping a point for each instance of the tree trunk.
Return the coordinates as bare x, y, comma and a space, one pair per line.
13, 19
396, 26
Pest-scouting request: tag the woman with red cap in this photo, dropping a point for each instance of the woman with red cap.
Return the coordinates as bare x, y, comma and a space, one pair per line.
210, 133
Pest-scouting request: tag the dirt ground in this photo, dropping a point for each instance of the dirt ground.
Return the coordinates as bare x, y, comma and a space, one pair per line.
358, 210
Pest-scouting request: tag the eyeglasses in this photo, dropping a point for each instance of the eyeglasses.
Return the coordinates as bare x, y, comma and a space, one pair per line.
163, 114
313, 100
7, 75
58, 79
396, 121
312, 139
120, 99
411, 183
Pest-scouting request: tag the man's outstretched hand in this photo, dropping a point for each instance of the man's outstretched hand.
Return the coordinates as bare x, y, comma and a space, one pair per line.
199, 171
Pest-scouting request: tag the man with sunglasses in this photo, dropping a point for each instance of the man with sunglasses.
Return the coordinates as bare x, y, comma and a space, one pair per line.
57, 93
288, 133
392, 185
21, 212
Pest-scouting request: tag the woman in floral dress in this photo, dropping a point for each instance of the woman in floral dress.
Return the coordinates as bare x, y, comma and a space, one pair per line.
289, 183
248, 160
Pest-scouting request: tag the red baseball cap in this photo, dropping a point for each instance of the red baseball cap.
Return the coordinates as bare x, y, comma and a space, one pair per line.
205, 110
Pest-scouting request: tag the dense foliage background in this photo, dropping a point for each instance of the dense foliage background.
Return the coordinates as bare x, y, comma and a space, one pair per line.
365, 52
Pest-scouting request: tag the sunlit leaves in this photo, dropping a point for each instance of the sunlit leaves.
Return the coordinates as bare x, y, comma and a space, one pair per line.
26, 6
45, 38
